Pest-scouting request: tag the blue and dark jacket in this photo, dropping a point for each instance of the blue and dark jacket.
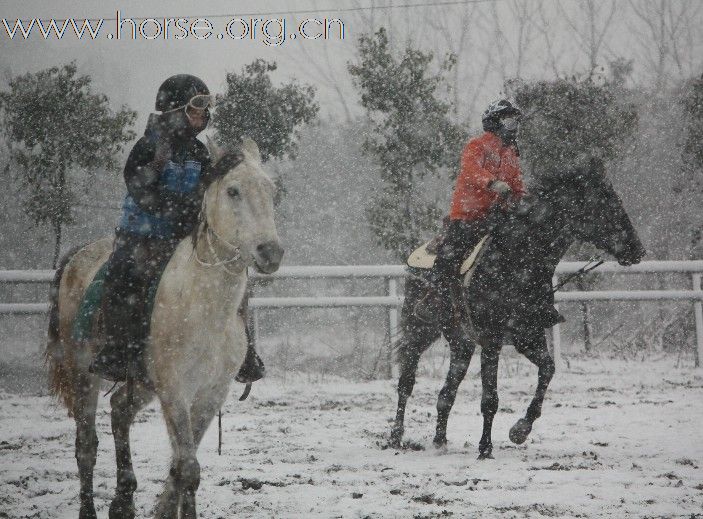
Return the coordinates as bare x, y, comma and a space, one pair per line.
164, 204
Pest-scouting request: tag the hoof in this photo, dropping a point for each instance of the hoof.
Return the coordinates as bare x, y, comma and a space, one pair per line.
520, 431
488, 455
122, 507
87, 511
439, 442
396, 438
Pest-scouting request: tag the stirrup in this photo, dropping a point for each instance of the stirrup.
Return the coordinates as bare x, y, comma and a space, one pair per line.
252, 370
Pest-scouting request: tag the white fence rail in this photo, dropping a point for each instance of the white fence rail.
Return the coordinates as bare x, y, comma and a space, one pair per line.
392, 301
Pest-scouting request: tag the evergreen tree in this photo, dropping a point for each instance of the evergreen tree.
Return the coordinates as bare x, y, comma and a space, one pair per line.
59, 132
272, 116
693, 155
411, 137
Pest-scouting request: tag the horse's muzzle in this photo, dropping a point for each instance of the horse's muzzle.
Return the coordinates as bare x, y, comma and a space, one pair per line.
268, 257
632, 256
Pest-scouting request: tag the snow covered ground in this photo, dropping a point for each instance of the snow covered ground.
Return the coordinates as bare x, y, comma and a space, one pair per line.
616, 439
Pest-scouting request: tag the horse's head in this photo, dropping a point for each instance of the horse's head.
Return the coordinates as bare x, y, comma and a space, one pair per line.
238, 205
593, 211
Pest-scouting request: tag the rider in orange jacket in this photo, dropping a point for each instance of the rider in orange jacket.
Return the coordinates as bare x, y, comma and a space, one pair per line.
490, 174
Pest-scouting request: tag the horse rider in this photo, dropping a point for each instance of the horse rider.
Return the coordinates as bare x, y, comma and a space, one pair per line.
490, 176
165, 175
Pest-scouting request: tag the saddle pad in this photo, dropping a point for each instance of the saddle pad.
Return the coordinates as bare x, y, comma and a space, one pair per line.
422, 259
90, 303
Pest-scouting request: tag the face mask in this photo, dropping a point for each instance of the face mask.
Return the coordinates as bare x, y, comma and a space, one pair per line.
179, 121
510, 124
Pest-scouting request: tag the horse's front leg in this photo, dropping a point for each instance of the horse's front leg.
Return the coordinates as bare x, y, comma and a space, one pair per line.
205, 406
533, 345
490, 353
415, 343
125, 404
461, 350
184, 477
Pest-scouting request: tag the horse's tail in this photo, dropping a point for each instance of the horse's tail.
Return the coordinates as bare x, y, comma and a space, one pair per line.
60, 375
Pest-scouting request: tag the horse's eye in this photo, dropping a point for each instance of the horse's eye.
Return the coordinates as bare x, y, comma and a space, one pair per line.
233, 192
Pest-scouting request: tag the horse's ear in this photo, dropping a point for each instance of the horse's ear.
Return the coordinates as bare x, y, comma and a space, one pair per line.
216, 151
251, 148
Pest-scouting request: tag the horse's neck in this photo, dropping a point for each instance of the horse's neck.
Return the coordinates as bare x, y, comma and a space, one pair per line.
532, 245
551, 240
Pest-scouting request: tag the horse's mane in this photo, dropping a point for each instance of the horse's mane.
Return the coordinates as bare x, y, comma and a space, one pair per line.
223, 165
550, 179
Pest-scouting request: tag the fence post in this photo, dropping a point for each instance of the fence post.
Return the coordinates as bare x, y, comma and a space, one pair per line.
698, 311
391, 290
556, 336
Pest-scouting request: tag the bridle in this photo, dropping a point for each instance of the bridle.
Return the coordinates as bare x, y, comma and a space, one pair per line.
209, 235
236, 252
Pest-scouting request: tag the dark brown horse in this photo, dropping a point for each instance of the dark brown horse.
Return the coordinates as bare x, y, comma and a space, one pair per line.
505, 298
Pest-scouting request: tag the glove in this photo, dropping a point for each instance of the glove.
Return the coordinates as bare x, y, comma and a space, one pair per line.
500, 188
162, 153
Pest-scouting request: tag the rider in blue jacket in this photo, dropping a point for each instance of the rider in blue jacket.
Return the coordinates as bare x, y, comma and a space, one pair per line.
165, 174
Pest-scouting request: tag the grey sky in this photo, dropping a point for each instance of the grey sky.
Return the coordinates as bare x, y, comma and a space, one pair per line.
494, 41
131, 71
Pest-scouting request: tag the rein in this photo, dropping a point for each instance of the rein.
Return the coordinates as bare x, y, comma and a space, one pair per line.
580, 272
236, 256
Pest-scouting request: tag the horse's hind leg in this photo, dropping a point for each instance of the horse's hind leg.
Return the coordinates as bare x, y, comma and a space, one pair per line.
533, 345
125, 407
84, 405
408, 355
461, 350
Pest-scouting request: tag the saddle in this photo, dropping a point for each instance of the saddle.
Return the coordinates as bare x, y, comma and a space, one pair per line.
424, 256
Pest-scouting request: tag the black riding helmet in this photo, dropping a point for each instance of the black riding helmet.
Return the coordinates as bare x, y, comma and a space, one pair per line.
496, 112
178, 90
175, 95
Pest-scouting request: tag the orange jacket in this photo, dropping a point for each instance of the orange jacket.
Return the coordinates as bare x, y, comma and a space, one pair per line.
483, 160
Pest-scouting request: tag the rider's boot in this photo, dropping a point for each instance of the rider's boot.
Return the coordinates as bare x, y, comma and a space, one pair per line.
111, 361
115, 361
123, 351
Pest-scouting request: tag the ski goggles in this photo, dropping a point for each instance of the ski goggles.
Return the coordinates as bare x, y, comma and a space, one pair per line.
198, 102
510, 123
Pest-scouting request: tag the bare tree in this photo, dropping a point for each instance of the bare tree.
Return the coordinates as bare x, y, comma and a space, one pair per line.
548, 27
589, 25
668, 35
327, 63
457, 30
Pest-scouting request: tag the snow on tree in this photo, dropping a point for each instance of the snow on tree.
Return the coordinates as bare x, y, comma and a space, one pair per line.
411, 136
59, 131
270, 115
